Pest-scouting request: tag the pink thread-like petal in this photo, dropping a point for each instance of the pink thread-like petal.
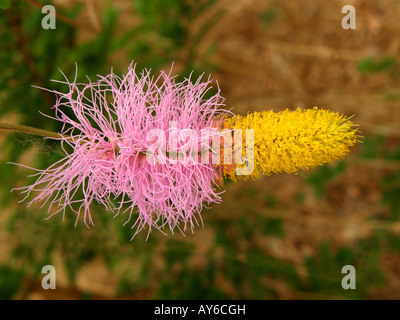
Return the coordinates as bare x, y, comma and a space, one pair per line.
106, 161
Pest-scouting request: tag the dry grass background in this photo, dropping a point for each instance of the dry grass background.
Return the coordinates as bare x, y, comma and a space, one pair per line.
276, 55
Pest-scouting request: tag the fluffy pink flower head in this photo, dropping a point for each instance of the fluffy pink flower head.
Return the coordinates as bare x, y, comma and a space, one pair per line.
133, 145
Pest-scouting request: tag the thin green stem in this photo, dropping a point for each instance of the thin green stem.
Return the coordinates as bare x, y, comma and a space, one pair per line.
30, 130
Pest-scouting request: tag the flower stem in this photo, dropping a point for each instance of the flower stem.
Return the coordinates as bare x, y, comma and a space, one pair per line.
30, 130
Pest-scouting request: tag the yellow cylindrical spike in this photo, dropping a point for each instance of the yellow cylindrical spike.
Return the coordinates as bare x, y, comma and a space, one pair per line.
290, 141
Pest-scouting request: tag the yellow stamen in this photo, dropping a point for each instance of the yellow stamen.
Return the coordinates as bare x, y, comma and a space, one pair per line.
291, 141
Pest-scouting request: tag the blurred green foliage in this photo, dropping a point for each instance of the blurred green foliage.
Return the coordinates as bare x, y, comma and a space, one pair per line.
10, 280
269, 16
386, 64
5, 4
162, 32
376, 65
375, 148
320, 177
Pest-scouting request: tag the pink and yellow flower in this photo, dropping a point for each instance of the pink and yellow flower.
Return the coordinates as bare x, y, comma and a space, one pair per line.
158, 150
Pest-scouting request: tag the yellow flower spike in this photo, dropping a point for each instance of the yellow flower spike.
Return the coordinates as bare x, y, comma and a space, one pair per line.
288, 141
